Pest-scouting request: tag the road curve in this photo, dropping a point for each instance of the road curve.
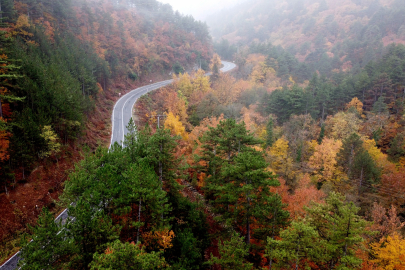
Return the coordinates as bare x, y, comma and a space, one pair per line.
120, 119
122, 109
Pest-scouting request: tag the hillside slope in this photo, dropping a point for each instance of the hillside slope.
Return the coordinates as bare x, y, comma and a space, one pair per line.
341, 35
63, 63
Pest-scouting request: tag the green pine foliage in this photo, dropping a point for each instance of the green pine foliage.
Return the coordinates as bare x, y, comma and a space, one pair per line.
328, 237
192, 233
115, 196
377, 86
232, 254
49, 246
127, 256
238, 183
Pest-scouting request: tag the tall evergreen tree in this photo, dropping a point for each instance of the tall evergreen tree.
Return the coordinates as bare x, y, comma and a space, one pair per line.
91, 230
50, 247
142, 187
327, 238
351, 146
160, 155
246, 198
237, 182
221, 144
129, 256
232, 254
270, 133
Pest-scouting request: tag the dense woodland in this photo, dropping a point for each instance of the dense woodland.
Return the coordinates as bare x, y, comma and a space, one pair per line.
325, 34
288, 162
62, 65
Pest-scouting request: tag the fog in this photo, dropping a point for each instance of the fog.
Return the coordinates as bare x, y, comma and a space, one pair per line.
200, 9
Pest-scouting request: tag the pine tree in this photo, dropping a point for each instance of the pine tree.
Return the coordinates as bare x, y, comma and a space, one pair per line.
238, 183
221, 144
160, 155
270, 133
321, 134
327, 238
365, 170
232, 254
130, 256
299, 245
246, 197
91, 230
142, 187
342, 229
351, 145
49, 247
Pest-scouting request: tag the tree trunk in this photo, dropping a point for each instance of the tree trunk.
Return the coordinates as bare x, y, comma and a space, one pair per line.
139, 220
361, 176
1, 108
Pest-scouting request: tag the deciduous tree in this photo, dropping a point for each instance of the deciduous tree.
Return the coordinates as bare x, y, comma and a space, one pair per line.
390, 252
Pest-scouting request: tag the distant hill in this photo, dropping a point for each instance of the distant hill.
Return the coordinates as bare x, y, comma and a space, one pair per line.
341, 34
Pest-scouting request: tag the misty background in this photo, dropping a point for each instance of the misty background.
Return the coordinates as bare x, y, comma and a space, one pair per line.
200, 9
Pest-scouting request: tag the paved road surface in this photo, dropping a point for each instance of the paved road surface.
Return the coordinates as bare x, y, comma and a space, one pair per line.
122, 109
120, 119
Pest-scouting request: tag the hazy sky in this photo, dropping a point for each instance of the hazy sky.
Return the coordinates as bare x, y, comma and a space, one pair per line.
199, 8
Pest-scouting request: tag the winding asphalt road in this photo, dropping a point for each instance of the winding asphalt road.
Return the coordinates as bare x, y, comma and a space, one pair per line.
122, 109
120, 118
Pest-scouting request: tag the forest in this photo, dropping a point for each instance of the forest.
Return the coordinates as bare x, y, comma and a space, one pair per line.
63, 64
294, 160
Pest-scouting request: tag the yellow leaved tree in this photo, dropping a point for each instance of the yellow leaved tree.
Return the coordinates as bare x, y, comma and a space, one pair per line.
379, 157
21, 27
201, 83
390, 253
183, 84
215, 66
261, 72
158, 239
279, 160
51, 140
173, 123
324, 162
343, 124
355, 103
